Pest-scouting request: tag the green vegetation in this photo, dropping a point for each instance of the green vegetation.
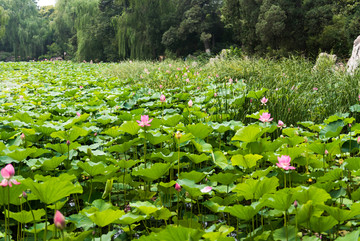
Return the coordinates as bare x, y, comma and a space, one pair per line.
175, 151
111, 30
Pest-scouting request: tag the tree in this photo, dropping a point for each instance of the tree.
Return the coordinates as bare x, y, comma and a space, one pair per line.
4, 18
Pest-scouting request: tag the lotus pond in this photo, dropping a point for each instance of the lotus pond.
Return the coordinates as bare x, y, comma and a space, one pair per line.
124, 159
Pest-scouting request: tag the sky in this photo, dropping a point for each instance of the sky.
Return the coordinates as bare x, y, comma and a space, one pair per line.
45, 2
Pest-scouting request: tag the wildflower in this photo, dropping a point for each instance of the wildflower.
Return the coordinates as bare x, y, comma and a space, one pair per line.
7, 173
280, 124
144, 121
265, 117
264, 100
284, 163
162, 98
177, 187
190, 103
59, 220
206, 189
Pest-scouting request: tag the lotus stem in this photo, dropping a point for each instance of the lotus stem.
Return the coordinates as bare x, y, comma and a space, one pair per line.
91, 186
34, 221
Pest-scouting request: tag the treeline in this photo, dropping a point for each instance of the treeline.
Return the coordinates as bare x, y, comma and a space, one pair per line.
113, 30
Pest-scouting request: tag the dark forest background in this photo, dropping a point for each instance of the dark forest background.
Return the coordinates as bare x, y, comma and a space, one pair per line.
114, 30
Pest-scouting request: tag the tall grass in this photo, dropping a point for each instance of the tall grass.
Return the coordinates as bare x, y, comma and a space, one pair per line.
296, 91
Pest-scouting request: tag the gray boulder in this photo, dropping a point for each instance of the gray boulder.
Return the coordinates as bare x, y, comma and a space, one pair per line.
354, 60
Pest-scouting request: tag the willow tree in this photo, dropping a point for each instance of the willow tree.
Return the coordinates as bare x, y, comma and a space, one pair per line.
23, 35
4, 18
75, 25
140, 26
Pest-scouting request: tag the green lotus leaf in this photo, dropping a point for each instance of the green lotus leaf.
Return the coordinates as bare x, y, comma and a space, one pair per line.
131, 127
193, 175
163, 214
71, 134
172, 233
81, 221
352, 163
105, 119
199, 130
155, 137
223, 178
26, 216
154, 172
125, 164
171, 158
354, 235
322, 223
257, 188
333, 129
38, 152
316, 195
193, 189
341, 215
306, 211
122, 148
4, 135
285, 233
331, 176
247, 161
248, 133
201, 145
197, 158
167, 184
220, 160
114, 131
71, 122
172, 120
146, 207
53, 189
242, 212
280, 200
73, 237
94, 169
100, 205
63, 148
256, 94
15, 192
24, 117
21, 154
104, 218
130, 218
184, 138
317, 147
53, 163
46, 129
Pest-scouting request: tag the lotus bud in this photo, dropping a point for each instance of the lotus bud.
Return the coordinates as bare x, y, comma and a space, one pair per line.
177, 187
178, 135
68, 142
295, 204
59, 220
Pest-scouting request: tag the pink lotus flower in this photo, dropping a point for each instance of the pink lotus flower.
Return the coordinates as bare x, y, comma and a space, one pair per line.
215, 94
22, 136
326, 152
284, 163
78, 114
160, 86
265, 117
264, 101
187, 80
144, 121
206, 189
358, 140
177, 187
7, 173
280, 124
315, 89
231, 81
190, 103
81, 87
296, 204
162, 98
21, 97
359, 97
59, 220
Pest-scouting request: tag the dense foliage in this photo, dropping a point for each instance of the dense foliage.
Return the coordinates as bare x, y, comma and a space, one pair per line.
112, 30
160, 153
